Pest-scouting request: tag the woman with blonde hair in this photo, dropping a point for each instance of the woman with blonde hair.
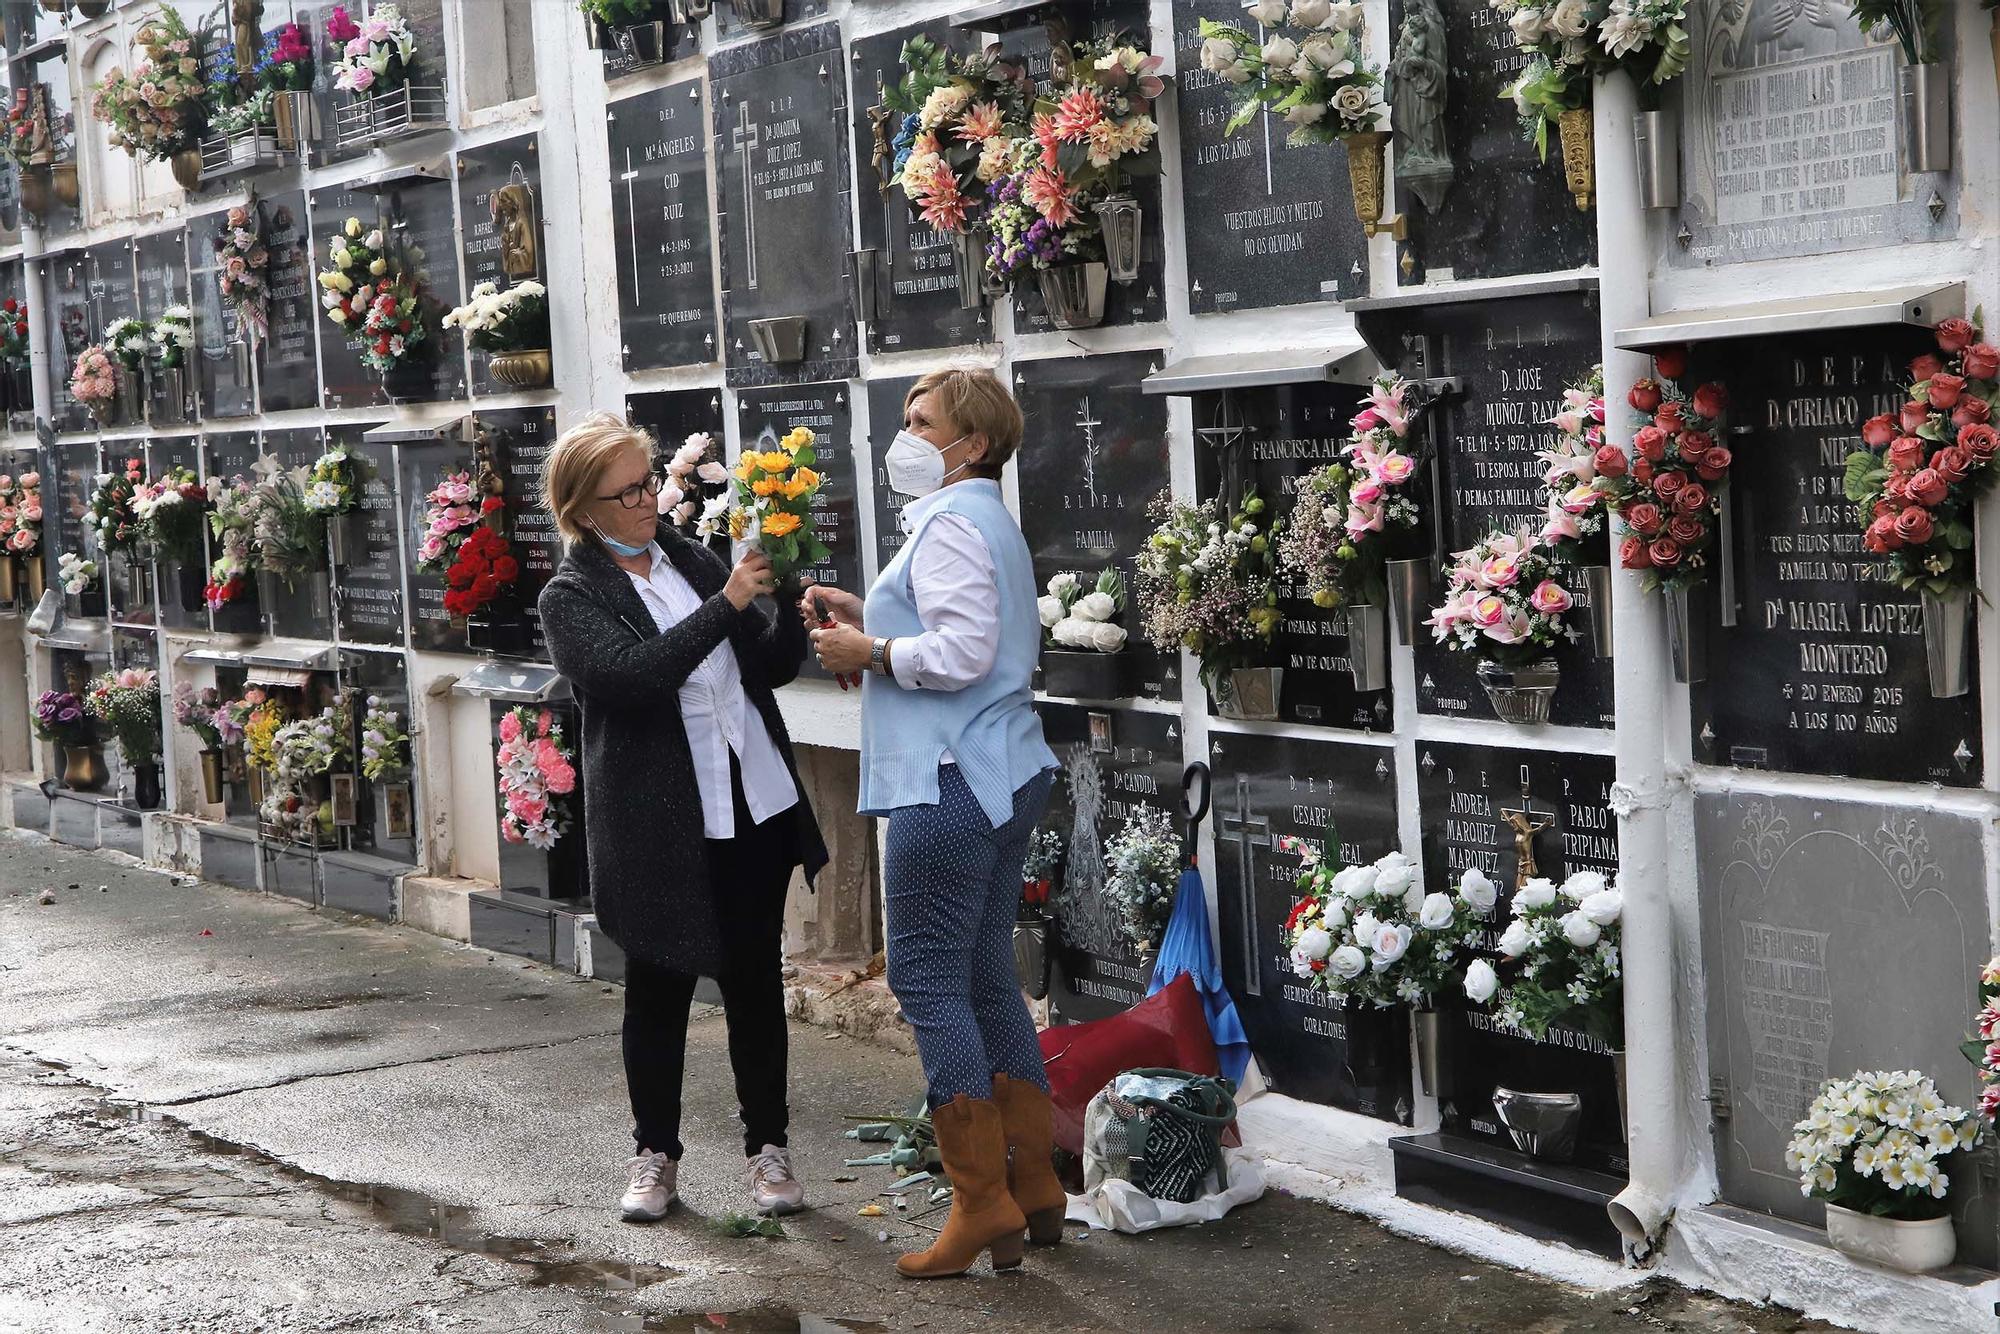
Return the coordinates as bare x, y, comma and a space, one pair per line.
694, 813
952, 754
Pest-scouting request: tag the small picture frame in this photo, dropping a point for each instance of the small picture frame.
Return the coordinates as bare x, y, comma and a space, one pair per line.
1100, 733
341, 793
398, 811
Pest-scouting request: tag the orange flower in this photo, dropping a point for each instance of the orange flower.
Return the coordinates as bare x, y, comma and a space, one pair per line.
802, 483
766, 486
775, 461
777, 525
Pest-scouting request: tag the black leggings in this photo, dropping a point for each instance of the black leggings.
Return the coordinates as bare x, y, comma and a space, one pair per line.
749, 874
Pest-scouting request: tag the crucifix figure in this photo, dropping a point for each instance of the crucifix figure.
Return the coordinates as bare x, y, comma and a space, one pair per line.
744, 139
1526, 822
1248, 833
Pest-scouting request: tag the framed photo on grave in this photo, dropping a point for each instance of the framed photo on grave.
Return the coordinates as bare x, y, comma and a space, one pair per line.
1114, 761
1268, 788
1836, 936
1267, 224
229, 455
368, 590
885, 419
521, 439
1496, 208
1514, 815
780, 109
1820, 666
1272, 437
826, 411
1513, 356
305, 605
180, 581
659, 183
500, 191
1093, 457
288, 358
916, 297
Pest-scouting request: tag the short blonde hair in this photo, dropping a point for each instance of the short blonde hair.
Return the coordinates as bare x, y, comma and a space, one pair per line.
974, 401
577, 462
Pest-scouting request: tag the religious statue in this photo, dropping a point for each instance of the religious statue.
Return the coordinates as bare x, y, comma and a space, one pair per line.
514, 211
882, 120
1526, 824
1417, 102
245, 16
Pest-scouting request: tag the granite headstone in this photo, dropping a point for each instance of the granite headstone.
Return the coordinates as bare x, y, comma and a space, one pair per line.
666, 279
368, 590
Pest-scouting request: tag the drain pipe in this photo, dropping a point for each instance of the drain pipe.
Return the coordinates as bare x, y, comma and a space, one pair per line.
1654, 1124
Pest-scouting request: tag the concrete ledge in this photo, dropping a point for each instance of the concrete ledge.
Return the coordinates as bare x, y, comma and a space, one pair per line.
1734, 1253
441, 905
849, 1001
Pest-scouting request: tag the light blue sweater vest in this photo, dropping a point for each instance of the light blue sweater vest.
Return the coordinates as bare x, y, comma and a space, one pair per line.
990, 727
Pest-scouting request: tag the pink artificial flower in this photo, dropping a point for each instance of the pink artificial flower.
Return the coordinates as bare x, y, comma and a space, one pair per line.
1500, 571
1551, 598
510, 727
1561, 525
1488, 611
1363, 519
1395, 469
1368, 493
561, 777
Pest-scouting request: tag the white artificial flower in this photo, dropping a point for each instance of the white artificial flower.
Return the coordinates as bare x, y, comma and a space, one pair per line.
1580, 931
1310, 13
1537, 893
1394, 874
1604, 907
1268, 12
1328, 56
1527, 24
1569, 20
1050, 609
1354, 882
1239, 73
1346, 962
1315, 943
1478, 890
1582, 885
1365, 925
1095, 607
1390, 943
1334, 915
1481, 982
1218, 55
1279, 53
1346, 15
1436, 912
1063, 585
1107, 638
1516, 939
1071, 633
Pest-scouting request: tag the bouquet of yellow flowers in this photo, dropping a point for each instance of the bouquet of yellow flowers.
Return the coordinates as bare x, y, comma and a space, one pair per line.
770, 503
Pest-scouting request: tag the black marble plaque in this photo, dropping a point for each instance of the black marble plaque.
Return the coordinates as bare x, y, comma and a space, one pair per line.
420, 467
162, 264
824, 408
219, 362
916, 296
1466, 795
381, 675
69, 327
781, 148
1267, 788
885, 418
368, 591
233, 454
110, 284
1267, 224
66, 514
1273, 438
672, 415
180, 581
659, 192
1507, 211
1514, 355
1824, 668
420, 228
522, 437
481, 172
345, 382
1095, 972
288, 364
305, 605
1094, 456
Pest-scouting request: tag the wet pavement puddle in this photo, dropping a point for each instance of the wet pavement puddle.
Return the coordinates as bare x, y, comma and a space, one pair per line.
758, 1320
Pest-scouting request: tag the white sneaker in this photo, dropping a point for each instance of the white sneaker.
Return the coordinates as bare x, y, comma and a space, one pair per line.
650, 1191
773, 1188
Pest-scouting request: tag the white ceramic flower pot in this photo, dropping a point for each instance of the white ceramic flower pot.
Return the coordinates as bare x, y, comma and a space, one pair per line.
1895, 1243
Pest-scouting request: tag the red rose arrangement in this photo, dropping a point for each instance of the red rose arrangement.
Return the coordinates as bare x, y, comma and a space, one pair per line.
482, 570
1669, 490
1915, 480
14, 332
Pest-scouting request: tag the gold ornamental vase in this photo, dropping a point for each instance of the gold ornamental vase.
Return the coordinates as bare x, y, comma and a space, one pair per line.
1367, 155
1579, 151
523, 370
63, 176
211, 777
83, 768
9, 579
36, 189
186, 166
32, 567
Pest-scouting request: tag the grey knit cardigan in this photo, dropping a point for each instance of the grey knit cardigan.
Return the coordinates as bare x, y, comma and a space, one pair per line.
643, 831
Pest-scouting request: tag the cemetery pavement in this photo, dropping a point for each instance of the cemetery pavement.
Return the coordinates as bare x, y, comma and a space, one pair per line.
221, 1111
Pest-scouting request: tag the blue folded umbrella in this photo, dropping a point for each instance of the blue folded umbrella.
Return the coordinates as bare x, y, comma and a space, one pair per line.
1187, 948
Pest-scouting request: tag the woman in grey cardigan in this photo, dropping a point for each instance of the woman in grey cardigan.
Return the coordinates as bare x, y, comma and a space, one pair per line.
694, 814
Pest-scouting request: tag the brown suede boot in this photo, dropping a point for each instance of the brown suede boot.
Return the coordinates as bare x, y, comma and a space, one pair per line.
1029, 1123
983, 1215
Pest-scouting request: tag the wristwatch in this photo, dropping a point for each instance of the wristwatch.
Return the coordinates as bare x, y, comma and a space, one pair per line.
878, 656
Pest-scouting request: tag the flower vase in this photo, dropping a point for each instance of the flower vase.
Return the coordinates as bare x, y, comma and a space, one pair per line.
1084, 675
406, 380
1579, 155
1119, 219
255, 783
1597, 580
1948, 641
69, 191
1409, 592
36, 580
9, 580
131, 401
968, 267
1250, 694
211, 777
644, 44
1521, 695
1911, 1245
146, 791
1428, 1027
170, 396
186, 166
296, 117
759, 13
522, 369
1926, 96
344, 536
1656, 137
269, 590
36, 191
1687, 631
93, 9
1073, 294
83, 768
1618, 1069
1366, 176
1031, 955
1542, 1125
1368, 646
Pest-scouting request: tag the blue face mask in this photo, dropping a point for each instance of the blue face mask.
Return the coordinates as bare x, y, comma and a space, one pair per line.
622, 548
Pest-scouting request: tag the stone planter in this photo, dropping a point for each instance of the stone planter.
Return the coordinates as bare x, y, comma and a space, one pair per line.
1521, 695
1073, 294
522, 369
1948, 642
1250, 694
1911, 1245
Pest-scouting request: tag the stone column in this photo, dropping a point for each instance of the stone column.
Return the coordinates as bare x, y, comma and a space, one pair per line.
841, 924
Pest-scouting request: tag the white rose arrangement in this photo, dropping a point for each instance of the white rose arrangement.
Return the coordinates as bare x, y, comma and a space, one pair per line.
1570, 41
75, 573
1370, 932
1315, 75
1084, 622
1873, 1143
1564, 943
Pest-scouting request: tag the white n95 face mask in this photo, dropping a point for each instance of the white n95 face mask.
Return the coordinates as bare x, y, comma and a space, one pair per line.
916, 466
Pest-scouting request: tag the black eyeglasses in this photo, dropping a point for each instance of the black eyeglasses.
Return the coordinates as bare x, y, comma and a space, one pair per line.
637, 494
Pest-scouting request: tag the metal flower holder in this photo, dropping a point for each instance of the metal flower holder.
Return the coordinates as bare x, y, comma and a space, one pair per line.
414, 108
245, 152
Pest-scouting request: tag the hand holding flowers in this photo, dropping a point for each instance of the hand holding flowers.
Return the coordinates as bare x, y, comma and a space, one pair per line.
775, 488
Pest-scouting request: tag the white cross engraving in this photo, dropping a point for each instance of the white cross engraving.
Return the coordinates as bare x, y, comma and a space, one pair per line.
629, 175
1089, 425
744, 139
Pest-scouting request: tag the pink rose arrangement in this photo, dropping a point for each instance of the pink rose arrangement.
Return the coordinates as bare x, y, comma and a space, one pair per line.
377, 55
1669, 491
536, 772
451, 511
1352, 515
21, 514
242, 263
1505, 600
93, 380
1983, 1047
693, 465
1577, 526
160, 108
1917, 477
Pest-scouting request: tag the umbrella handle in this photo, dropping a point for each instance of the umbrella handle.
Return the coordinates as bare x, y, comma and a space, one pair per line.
1194, 796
